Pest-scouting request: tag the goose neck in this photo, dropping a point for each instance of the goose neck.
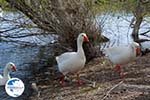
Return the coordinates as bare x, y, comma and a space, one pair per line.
79, 47
6, 73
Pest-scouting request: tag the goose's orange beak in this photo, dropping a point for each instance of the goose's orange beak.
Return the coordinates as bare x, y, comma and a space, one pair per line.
14, 68
86, 39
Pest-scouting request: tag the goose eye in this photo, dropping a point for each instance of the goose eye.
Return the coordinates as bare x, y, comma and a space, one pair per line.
82, 35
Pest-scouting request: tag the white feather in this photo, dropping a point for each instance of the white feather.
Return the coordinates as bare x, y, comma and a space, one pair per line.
71, 62
122, 54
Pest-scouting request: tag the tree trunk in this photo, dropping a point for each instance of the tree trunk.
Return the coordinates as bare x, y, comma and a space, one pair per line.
139, 18
136, 28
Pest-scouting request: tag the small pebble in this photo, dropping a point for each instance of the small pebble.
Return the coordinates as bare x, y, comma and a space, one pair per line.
34, 87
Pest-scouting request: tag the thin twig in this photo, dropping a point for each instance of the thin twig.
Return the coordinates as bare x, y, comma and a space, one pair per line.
145, 32
93, 83
111, 90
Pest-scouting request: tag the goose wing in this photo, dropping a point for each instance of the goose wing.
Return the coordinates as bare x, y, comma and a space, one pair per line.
65, 56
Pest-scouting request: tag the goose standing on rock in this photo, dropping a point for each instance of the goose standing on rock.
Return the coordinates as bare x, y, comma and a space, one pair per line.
3, 79
122, 55
72, 62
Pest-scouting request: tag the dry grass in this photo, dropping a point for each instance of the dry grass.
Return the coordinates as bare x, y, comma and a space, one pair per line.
134, 86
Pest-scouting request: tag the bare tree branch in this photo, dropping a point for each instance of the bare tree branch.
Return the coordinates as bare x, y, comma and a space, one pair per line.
108, 92
32, 14
65, 18
145, 32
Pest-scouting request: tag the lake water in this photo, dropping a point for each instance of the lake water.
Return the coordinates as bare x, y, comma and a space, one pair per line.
117, 29
22, 56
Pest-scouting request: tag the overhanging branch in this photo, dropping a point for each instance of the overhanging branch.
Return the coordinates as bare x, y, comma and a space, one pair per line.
33, 15
145, 32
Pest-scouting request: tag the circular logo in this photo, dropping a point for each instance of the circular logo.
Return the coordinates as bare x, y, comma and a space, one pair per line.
14, 87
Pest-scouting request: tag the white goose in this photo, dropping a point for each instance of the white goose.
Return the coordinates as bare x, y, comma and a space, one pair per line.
122, 55
6, 76
72, 62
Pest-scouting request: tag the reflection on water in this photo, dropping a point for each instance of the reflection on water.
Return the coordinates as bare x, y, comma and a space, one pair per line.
117, 29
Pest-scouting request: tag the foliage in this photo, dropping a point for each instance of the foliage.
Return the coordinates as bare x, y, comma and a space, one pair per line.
3, 3
118, 6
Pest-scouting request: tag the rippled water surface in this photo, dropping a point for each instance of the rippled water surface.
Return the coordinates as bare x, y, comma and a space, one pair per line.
22, 56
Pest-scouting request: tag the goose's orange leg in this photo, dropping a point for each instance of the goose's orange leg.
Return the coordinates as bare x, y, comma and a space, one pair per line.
118, 68
79, 81
62, 80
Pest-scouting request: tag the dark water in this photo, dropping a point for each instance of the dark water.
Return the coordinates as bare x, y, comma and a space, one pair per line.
21, 56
